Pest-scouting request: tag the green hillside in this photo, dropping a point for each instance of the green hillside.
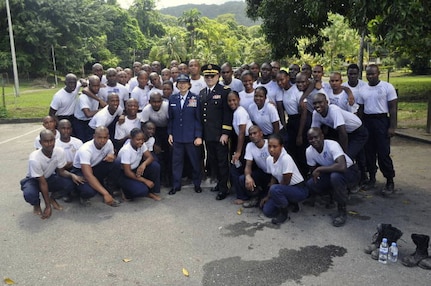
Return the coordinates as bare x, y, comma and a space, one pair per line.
212, 11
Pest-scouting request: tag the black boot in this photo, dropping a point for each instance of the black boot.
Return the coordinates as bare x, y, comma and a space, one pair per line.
422, 242
371, 183
389, 188
283, 215
425, 263
383, 231
340, 217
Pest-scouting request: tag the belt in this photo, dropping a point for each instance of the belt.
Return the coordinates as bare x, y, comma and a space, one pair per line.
377, 115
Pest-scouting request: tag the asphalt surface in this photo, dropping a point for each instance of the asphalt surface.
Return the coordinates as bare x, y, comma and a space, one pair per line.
149, 243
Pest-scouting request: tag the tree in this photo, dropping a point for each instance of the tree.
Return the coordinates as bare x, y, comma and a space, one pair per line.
148, 19
191, 20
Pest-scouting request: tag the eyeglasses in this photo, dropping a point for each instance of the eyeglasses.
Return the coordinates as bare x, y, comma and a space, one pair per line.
209, 75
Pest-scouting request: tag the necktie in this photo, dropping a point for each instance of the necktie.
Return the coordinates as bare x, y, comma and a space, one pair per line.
183, 98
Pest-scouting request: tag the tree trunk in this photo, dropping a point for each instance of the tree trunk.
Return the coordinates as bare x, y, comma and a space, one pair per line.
361, 54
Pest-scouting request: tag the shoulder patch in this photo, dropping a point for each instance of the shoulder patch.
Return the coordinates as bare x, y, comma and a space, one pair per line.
226, 87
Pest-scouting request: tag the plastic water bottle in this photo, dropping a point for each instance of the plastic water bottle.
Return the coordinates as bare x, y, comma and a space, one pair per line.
393, 252
383, 251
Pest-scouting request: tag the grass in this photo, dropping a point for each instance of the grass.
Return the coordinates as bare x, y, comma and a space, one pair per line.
413, 92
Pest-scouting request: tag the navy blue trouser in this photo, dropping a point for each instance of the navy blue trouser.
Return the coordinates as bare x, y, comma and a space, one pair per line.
336, 183
217, 159
133, 188
178, 151
82, 130
281, 195
100, 171
261, 179
58, 187
378, 145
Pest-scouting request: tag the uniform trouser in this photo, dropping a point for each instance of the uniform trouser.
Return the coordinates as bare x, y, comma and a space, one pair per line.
100, 171
82, 130
192, 152
133, 188
298, 152
281, 195
378, 145
217, 158
261, 179
336, 183
58, 187
165, 158
356, 147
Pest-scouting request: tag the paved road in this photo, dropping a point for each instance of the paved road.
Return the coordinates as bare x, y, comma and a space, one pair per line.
86, 246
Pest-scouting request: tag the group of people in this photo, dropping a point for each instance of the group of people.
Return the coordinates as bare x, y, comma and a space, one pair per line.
277, 137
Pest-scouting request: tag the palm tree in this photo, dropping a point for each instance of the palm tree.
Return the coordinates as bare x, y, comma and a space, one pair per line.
191, 19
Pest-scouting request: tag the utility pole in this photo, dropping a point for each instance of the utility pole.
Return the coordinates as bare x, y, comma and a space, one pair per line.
12, 49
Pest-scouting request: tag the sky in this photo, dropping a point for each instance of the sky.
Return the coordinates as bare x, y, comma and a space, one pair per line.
169, 3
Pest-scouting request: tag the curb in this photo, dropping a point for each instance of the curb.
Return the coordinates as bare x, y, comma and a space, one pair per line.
413, 137
20, 120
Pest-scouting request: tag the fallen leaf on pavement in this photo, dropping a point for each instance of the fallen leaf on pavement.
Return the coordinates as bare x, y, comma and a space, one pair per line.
127, 259
185, 272
9, 281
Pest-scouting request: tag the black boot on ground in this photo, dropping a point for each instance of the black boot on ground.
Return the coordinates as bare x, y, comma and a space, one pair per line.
341, 216
283, 215
422, 242
389, 188
383, 231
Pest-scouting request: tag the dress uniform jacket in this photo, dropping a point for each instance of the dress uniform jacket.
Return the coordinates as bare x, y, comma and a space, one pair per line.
184, 123
216, 114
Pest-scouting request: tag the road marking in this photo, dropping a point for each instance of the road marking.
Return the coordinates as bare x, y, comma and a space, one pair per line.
22, 135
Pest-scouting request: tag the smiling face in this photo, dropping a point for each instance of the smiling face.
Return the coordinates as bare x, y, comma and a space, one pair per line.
315, 138
137, 140
233, 100
320, 104
247, 82
259, 97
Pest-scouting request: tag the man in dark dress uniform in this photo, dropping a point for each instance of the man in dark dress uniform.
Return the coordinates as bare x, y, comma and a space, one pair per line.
217, 127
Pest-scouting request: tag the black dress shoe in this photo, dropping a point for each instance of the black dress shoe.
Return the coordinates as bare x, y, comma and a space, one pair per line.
221, 196
173, 191
198, 189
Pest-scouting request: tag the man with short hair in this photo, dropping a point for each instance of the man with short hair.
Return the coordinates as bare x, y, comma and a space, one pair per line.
293, 71
331, 169
95, 162
196, 80
64, 101
217, 127
228, 79
112, 86
265, 80
97, 70
253, 184
156, 83
49, 123
108, 115
378, 109
46, 174
156, 67
85, 109
131, 120
275, 65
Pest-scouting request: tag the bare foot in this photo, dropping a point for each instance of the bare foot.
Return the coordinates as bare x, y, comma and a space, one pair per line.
238, 202
154, 196
55, 204
37, 210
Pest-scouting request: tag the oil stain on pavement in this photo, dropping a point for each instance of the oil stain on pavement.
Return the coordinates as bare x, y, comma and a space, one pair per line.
246, 228
289, 265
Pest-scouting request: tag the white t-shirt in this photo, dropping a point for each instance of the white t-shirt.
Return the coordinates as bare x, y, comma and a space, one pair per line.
64, 102
337, 117
121, 90
284, 165
341, 100
88, 154
122, 131
150, 143
141, 95
85, 101
246, 99
104, 117
241, 117
154, 90
235, 85
133, 82
356, 93
39, 165
70, 148
264, 117
291, 98
331, 151
258, 155
324, 90
375, 98
37, 139
128, 155
160, 117
197, 85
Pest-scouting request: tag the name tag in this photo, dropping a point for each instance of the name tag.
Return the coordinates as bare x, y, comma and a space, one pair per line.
173, 104
217, 96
